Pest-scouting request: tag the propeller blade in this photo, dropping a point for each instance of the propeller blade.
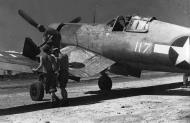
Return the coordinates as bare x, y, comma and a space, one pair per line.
60, 26
76, 20
31, 21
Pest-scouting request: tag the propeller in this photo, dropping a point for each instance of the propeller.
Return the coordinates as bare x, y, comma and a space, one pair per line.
31, 21
75, 20
47, 32
40, 27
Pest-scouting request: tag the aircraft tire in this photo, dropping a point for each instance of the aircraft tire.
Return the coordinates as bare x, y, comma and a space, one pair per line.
37, 91
105, 83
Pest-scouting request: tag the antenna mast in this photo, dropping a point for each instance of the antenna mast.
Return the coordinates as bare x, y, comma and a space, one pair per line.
94, 13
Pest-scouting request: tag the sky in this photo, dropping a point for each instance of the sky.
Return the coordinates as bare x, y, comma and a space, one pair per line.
13, 29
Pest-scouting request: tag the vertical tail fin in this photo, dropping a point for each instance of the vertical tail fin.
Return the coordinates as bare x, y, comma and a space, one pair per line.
30, 49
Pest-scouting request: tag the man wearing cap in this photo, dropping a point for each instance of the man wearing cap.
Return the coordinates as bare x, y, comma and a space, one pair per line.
52, 39
49, 66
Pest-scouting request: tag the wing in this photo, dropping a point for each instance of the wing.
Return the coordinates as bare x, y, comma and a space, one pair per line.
16, 62
84, 63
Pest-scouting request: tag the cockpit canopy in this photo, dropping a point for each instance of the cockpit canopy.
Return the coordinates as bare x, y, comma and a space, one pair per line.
130, 23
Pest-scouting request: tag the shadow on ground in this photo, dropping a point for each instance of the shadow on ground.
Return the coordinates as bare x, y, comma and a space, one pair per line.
98, 96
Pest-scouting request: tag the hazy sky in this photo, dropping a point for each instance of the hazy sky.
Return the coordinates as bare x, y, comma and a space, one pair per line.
14, 29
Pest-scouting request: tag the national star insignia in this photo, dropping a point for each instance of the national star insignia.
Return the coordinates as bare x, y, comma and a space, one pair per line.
183, 52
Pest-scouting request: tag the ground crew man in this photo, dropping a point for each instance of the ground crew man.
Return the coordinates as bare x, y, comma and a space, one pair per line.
48, 65
52, 39
62, 65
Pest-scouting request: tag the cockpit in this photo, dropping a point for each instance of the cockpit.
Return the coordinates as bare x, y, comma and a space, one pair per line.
130, 23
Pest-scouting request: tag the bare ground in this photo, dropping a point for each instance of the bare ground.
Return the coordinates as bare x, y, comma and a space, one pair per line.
147, 100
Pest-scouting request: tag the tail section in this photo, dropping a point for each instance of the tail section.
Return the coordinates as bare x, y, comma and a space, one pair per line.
30, 50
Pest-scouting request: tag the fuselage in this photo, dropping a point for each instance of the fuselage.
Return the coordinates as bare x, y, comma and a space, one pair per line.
163, 47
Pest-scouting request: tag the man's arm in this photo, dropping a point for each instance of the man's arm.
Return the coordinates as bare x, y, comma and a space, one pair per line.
39, 66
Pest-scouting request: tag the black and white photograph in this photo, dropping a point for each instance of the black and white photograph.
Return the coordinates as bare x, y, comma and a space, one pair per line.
94, 61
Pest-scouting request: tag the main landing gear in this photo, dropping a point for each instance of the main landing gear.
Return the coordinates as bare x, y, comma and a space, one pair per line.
38, 89
186, 83
104, 82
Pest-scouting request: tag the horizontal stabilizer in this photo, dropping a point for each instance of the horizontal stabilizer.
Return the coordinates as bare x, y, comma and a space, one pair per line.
30, 49
16, 62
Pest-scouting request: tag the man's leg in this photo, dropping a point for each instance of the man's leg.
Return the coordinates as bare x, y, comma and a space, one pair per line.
185, 80
51, 78
63, 74
43, 79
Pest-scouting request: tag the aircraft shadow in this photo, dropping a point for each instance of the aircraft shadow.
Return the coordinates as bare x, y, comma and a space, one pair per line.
98, 96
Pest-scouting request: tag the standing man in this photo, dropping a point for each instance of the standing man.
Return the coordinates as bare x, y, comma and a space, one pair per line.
48, 65
62, 70
52, 38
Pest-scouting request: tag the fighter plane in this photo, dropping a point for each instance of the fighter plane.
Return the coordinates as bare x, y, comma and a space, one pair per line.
125, 45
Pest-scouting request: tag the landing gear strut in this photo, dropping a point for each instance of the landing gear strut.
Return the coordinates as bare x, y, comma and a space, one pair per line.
104, 82
185, 80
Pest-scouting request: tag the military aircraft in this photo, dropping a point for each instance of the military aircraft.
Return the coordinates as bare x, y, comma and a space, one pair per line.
125, 45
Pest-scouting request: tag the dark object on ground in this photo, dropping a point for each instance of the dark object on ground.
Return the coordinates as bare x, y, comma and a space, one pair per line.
37, 91
105, 83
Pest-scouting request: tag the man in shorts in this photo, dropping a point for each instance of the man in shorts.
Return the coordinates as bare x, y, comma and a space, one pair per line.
48, 66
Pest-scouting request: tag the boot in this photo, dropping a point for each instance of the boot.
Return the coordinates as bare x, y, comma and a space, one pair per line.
54, 99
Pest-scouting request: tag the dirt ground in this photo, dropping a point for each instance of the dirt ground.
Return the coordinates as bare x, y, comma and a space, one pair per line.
139, 100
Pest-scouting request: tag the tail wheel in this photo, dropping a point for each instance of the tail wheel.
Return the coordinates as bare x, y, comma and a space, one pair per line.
37, 91
105, 83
